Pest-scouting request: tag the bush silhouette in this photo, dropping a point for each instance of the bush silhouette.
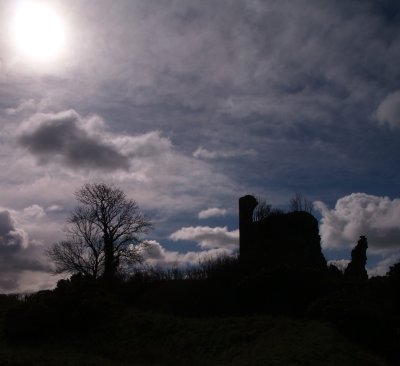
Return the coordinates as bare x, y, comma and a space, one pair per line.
75, 305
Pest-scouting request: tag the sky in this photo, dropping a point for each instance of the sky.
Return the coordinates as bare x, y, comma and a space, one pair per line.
188, 105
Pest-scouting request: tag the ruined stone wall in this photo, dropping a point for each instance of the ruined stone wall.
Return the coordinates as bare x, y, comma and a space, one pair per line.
289, 240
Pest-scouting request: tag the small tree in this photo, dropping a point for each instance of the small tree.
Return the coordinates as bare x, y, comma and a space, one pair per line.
104, 233
301, 203
264, 210
394, 271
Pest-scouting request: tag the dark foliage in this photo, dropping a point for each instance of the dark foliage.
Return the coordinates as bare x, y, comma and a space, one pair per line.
365, 311
76, 305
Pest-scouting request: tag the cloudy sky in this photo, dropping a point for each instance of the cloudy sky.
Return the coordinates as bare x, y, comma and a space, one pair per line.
188, 105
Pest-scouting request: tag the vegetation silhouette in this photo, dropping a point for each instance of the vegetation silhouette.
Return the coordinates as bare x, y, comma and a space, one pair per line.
103, 235
213, 313
301, 203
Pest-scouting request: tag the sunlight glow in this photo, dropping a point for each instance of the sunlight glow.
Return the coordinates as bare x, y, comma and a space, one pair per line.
38, 31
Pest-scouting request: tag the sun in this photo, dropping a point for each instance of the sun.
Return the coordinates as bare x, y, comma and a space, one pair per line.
38, 31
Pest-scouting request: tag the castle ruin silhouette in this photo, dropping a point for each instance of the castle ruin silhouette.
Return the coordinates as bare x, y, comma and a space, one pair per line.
279, 241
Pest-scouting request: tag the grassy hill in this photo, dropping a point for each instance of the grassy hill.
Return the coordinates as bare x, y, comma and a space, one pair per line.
132, 337
273, 318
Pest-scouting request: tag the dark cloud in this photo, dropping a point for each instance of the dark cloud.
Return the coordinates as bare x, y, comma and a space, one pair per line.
16, 255
7, 284
61, 137
11, 239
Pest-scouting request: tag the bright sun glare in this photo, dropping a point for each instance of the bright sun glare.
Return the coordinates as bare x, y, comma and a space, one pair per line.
38, 31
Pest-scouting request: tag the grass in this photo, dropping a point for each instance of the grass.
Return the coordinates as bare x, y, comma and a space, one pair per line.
143, 338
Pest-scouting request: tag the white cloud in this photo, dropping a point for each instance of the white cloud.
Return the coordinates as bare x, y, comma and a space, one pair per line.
341, 264
34, 211
157, 255
33, 281
361, 214
389, 110
211, 212
379, 269
208, 237
147, 145
382, 267
54, 208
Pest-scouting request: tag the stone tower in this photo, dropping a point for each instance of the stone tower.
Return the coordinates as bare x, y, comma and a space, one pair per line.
247, 204
356, 268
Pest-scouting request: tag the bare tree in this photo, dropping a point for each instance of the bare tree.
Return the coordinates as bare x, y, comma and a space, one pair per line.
264, 210
301, 203
104, 233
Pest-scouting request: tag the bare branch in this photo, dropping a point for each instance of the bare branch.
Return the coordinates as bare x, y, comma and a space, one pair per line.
264, 210
104, 233
301, 203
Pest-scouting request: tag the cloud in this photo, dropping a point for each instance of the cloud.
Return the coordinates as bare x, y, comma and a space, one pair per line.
158, 171
147, 145
388, 111
162, 178
168, 179
379, 269
28, 104
17, 255
211, 212
184, 93
202, 153
34, 211
361, 214
64, 138
383, 266
54, 208
157, 255
341, 264
208, 237
11, 238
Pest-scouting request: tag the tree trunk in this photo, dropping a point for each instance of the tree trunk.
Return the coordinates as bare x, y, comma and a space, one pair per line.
109, 262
